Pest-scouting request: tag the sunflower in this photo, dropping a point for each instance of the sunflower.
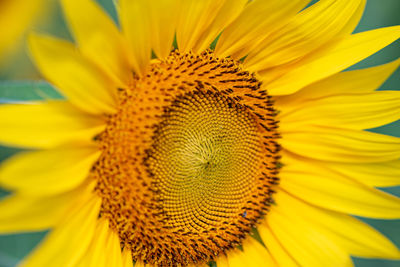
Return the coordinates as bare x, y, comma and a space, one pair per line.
242, 144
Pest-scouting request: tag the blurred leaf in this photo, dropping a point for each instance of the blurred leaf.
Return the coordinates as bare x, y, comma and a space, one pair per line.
15, 247
392, 129
16, 91
109, 7
361, 262
6, 152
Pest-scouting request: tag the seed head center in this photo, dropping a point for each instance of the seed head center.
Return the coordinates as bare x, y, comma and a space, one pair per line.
188, 160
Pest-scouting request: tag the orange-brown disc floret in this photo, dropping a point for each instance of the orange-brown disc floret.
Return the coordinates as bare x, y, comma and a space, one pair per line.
188, 161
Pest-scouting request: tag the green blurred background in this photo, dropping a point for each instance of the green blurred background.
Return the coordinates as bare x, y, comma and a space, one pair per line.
379, 13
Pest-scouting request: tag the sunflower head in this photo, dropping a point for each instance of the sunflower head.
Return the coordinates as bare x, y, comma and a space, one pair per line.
189, 159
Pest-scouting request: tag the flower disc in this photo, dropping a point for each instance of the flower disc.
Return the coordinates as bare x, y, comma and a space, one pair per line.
204, 160
188, 160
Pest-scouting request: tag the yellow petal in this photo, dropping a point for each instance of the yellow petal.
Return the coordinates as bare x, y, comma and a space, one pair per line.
330, 60
20, 213
236, 258
255, 23
305, 243
309, 30
256, 253
23, 14
68, 242
194, 18
228, 13
98, 37
46, 124
139, 264
328, 189
382, 174
82, 82
361, 111
280, 255
341, 145
355, 19
135, 22
379, 174
105, 249
222, 261
113, 250
96, 254
163, 20
343, 83
356, 237
127, 260
49, 171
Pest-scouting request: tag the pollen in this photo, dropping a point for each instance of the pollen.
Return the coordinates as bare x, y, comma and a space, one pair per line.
189, 160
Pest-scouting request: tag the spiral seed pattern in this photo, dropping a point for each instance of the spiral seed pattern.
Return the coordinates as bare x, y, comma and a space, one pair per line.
189, 160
